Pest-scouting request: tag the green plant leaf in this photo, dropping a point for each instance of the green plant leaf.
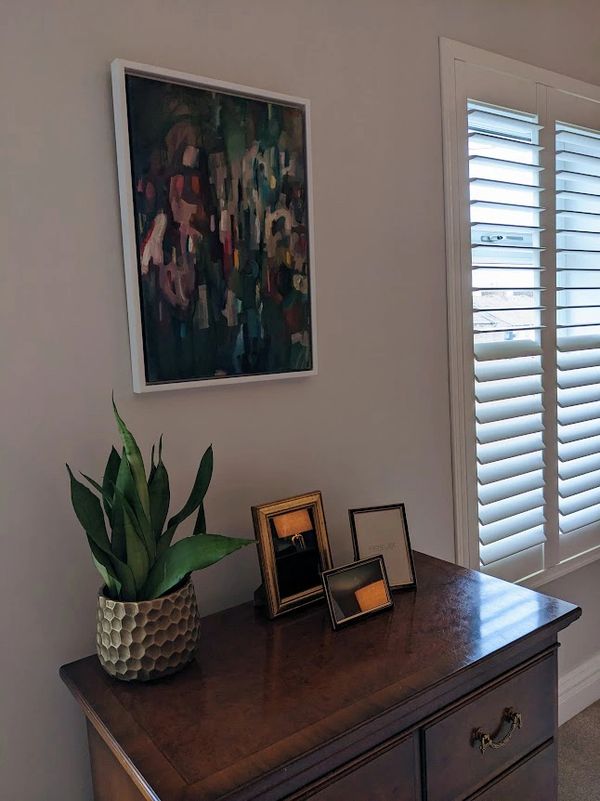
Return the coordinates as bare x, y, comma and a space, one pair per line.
118, 531
125, 487
200, 524
105, 568
137, 555
96, 486
152, 465
185, 556
89, 513
164, 541
134, 457
110, 585
107, 496
158, 488
118, 526
201, 484
109, 479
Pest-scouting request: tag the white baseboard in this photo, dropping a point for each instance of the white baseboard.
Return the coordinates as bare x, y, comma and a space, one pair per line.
578, 688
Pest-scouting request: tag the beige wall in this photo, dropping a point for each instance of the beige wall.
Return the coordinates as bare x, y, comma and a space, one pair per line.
373, 427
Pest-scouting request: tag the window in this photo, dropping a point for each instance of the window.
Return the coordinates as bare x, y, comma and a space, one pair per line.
522, 184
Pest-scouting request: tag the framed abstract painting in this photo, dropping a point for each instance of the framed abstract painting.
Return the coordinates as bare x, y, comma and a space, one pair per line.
216, 212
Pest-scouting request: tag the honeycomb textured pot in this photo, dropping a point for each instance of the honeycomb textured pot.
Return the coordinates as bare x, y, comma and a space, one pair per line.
147, 639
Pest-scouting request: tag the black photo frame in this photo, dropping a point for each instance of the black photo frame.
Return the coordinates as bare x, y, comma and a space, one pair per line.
356, 591
383, 530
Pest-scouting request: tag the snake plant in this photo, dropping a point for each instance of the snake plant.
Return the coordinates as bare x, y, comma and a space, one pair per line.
139, 561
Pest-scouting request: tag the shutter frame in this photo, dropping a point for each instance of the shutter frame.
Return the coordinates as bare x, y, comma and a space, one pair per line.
468, 72
508, 386
577, 165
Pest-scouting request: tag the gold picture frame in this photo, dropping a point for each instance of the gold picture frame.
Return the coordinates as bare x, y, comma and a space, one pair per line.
293, 551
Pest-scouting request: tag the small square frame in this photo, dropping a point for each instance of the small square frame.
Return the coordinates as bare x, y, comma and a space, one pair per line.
336, 571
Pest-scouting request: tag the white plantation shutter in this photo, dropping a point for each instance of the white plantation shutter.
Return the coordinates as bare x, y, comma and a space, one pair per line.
522, 186
505, 209
578, 331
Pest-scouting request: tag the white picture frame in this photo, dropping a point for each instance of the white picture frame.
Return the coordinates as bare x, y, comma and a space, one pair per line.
120, 69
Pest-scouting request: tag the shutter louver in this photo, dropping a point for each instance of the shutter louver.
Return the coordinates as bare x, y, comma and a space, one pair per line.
505, 202
578, 326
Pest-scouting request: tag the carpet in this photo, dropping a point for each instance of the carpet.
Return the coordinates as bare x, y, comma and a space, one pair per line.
579, 756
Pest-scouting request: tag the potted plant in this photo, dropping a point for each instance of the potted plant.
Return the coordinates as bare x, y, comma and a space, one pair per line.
147, 617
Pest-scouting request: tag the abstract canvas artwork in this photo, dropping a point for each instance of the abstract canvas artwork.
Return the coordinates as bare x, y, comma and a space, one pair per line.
215, 200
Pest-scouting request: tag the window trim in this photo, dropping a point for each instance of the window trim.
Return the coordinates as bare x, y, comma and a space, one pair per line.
458, 253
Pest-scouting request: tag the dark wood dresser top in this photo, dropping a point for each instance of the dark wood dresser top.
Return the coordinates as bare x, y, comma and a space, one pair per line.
262, 692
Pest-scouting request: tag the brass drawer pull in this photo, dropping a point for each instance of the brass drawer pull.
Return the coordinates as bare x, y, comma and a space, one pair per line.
485, 741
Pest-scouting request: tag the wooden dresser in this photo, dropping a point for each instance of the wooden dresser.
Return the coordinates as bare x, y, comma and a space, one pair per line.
451, 695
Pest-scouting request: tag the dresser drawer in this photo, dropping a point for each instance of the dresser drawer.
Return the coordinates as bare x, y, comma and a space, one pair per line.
390, 774
456, 765
534, 780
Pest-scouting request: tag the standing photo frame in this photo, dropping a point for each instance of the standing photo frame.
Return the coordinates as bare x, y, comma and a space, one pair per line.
356, 591
293, 551
216, 210
383, 530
